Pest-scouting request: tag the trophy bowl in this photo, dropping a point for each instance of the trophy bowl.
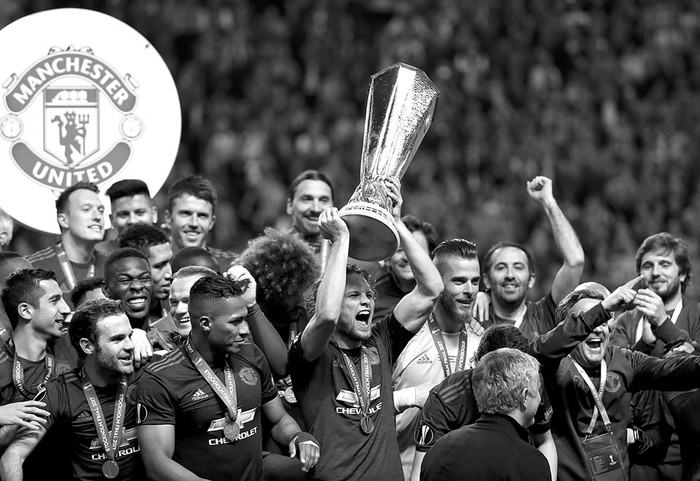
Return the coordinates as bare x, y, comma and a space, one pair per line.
373, 236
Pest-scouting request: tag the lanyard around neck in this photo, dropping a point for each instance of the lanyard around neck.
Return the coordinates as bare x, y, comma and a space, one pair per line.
67, 267
362, 390
439, 341
226, 393
597, 395
110, 445
18, 375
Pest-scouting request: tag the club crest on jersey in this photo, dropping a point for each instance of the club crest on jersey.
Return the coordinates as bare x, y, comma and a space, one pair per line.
71, 118
613, 382
248, 376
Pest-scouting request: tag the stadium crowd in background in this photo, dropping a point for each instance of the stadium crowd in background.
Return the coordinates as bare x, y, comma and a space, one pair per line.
602, 97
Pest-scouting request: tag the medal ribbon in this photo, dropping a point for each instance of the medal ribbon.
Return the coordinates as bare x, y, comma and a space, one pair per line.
5, 337
227, 394
363, 395
110, 445
67, 268
442, 349
18, 375
597, 395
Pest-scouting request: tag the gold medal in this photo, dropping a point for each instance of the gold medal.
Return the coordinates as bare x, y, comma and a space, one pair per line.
289, 395
231, 429
367, 425
110, 469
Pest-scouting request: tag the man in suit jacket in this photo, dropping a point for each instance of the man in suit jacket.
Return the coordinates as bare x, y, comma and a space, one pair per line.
507, 390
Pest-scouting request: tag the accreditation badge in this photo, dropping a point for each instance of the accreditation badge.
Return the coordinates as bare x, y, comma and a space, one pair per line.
603, 458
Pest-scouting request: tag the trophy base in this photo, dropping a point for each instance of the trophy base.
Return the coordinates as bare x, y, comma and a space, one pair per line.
373, 236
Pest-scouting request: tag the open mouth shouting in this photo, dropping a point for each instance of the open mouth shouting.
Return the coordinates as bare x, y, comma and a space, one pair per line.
363, 318
591, 351
595, 345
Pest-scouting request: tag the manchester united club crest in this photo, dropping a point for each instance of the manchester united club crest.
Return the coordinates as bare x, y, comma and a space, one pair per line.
88, 129
71, 121
613, 382
85, 98
248, 376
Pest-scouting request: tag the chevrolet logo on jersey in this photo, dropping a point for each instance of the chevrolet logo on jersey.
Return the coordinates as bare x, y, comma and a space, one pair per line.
349, 397
242, 418
128, 436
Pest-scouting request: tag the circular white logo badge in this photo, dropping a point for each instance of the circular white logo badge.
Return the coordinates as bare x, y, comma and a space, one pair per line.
85, 98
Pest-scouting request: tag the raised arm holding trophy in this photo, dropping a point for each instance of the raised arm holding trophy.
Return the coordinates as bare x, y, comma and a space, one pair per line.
400, 108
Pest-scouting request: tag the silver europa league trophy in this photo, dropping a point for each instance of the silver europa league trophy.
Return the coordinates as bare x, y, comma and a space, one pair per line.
400, 108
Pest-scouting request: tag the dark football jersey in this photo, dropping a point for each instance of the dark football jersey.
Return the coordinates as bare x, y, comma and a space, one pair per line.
172, 391
70, 413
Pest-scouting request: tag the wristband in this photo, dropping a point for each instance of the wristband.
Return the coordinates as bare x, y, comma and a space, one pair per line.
404, 399
302, 437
